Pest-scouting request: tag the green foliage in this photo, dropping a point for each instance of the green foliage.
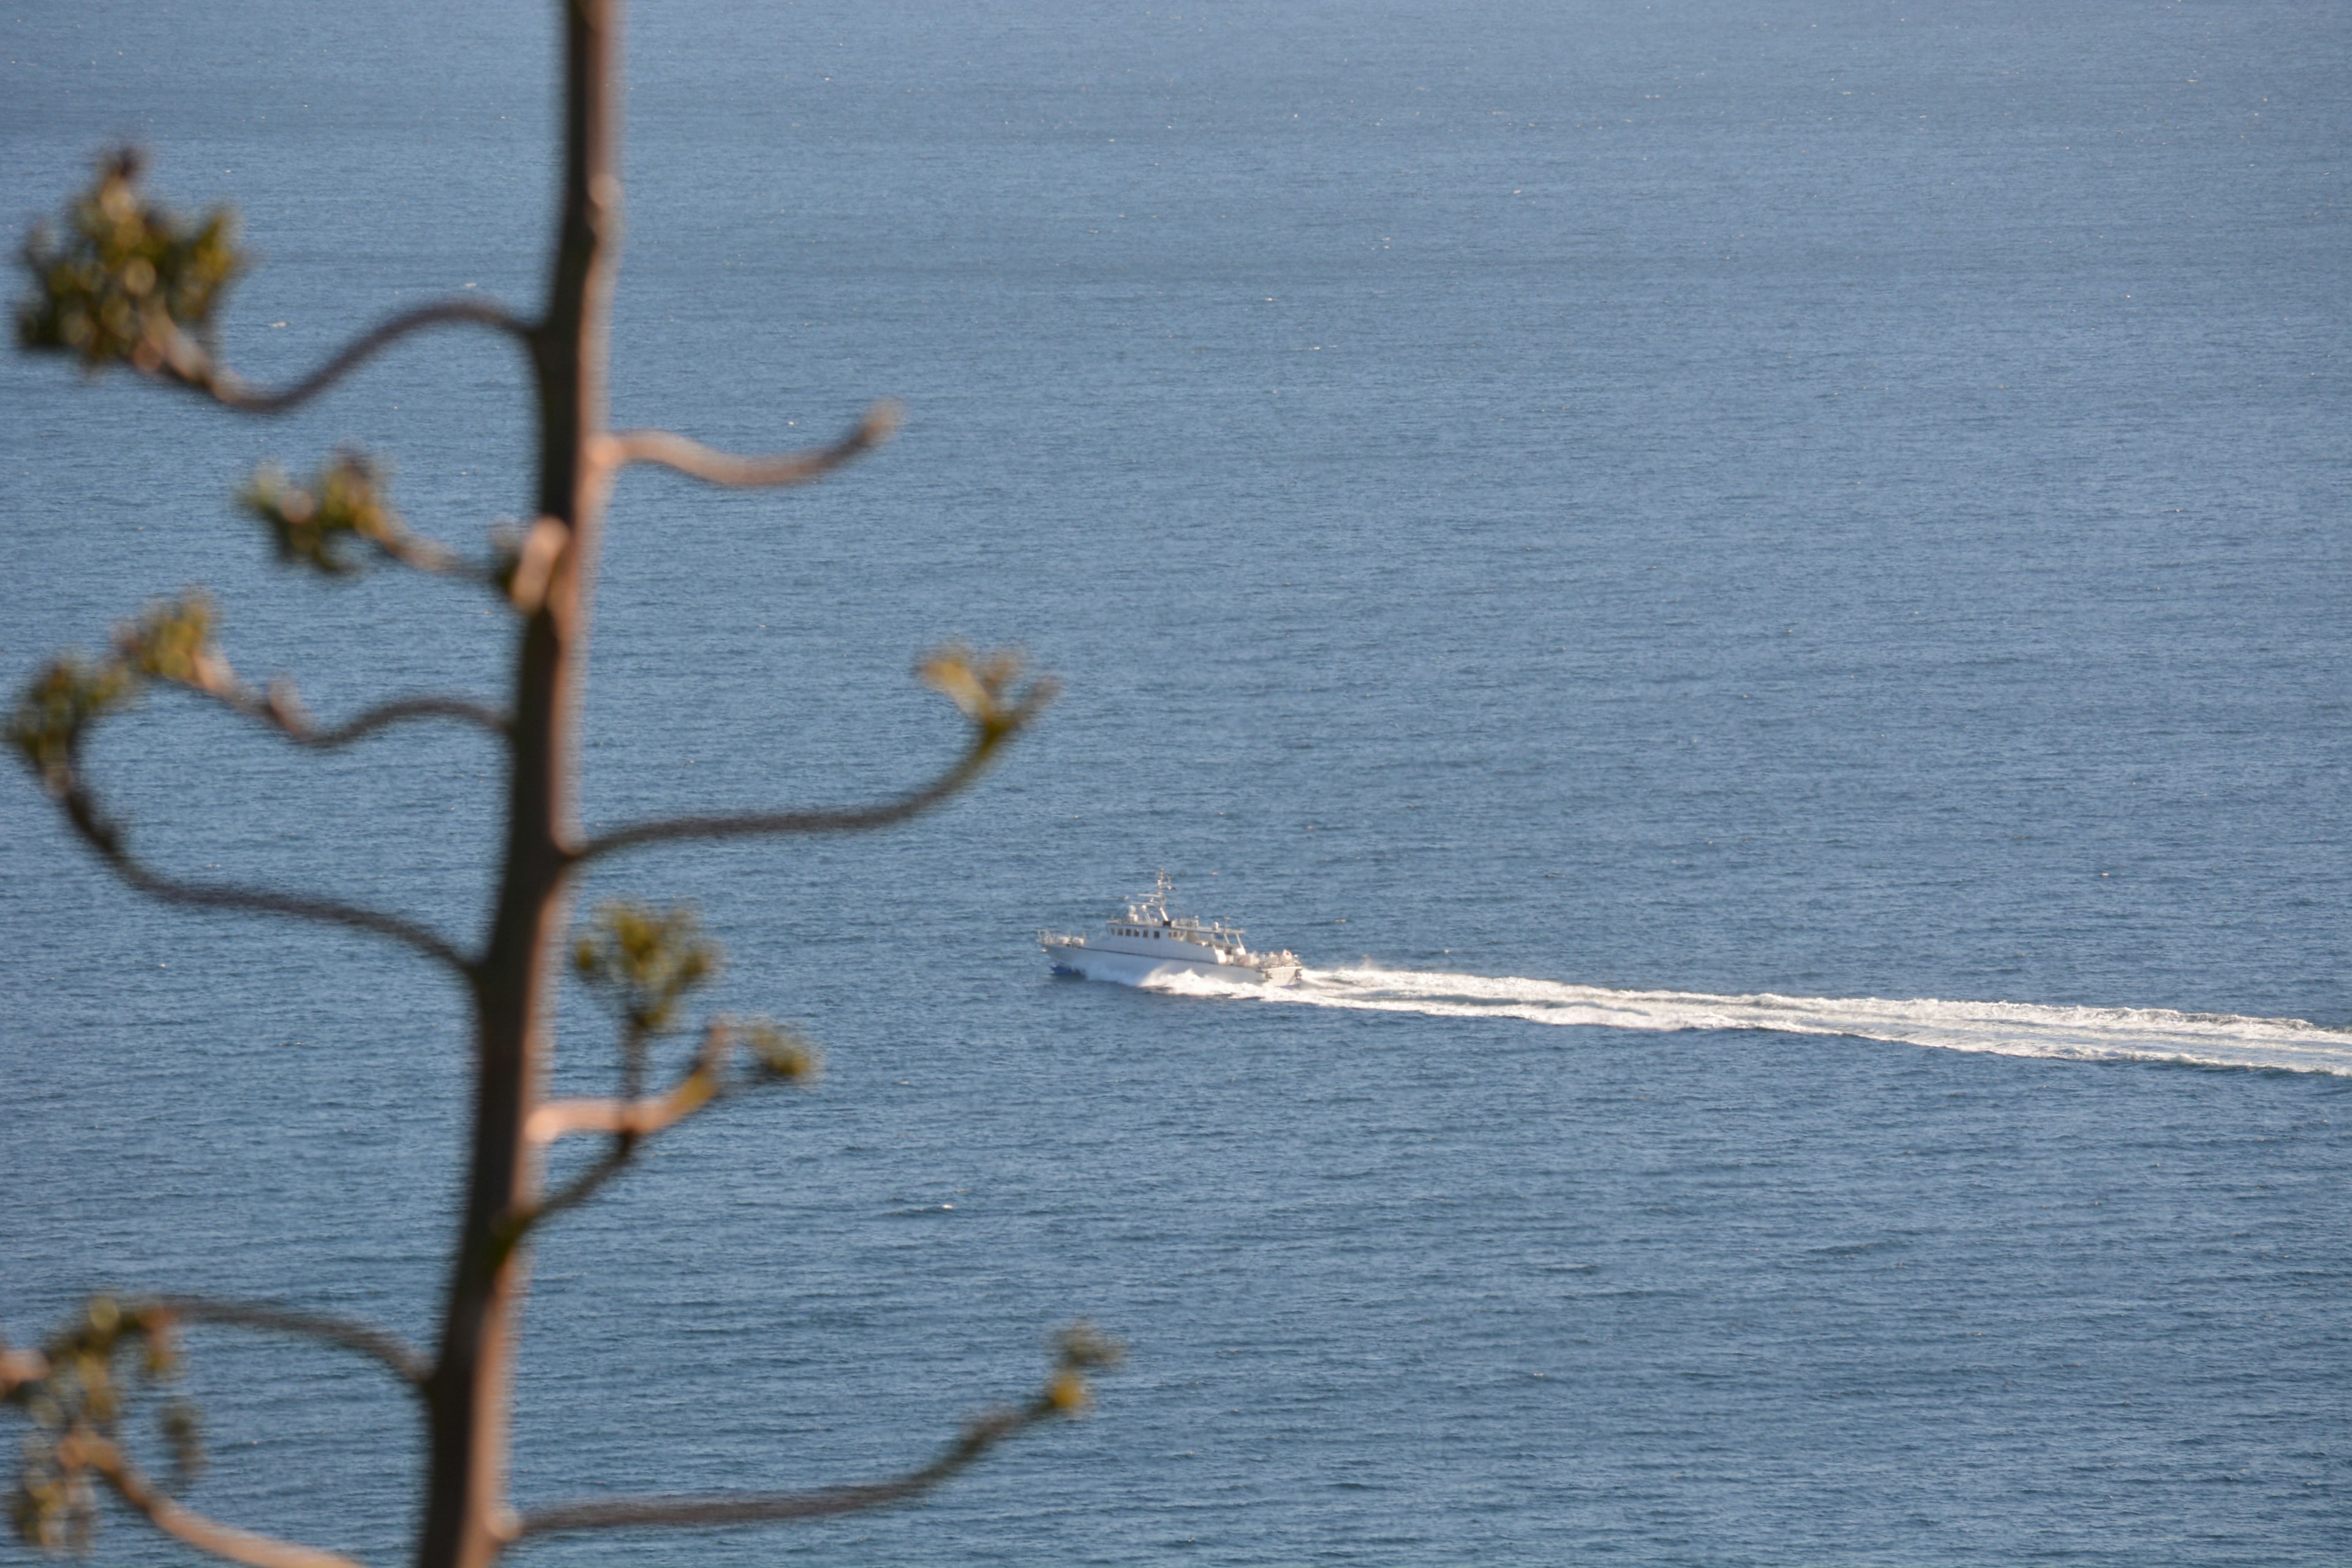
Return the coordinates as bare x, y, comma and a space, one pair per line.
317, 527
988, 688
129, 282
173, 641
642, 962
1078, 1349
781, 1053
59, 705
74, 1395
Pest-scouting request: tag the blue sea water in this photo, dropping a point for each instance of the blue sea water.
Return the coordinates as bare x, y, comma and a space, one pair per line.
1758, 591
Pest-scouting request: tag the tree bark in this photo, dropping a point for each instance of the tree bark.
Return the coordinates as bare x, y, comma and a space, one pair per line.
466, 1518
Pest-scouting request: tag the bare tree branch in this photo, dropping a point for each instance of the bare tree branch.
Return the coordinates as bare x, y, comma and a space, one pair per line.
107, 838
419, 553
196, 369
767, 1508
406, 1362
195, 1528
973, 762
577, 1191
628, 1120
690, 457
988, 690
283, 709
1065, 1394
622, 1118
172, 642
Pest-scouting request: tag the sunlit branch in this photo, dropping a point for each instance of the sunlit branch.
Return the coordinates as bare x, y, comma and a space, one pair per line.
628, 1121
630, 1118
388, 1348
196, 369
107, 838
973, 762
691, 457
18, 1367
1064, 1395
195, 1528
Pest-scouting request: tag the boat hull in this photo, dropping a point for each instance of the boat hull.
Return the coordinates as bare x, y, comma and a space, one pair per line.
1135, 969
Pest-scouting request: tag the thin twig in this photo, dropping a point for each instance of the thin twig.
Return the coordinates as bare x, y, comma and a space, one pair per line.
256, 1551
224, 387
973, 762
580, 1189
207, 673
690, 457
764, 1508
404, 1361
107, 839
431, 556
282, 711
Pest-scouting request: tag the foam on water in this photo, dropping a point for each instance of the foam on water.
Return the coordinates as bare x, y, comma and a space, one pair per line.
2003, 1028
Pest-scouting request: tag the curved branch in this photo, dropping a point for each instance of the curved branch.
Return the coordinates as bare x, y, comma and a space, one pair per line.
406, 1362
989, 691
691, 457
769, 1508
224, 387
629, 1121
283, 711
107, 839
172, 643
749, 824
419, 553
622, 1118
196, 1530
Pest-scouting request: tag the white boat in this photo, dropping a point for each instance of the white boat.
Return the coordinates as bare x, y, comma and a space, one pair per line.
1150, 944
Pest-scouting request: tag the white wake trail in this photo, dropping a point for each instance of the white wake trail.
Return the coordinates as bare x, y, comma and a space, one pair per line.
2002, 1028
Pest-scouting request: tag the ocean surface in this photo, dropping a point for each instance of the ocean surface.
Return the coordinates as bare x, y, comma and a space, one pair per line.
1760, 591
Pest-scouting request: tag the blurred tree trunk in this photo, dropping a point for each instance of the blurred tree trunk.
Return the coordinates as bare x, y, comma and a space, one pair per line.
470, 1396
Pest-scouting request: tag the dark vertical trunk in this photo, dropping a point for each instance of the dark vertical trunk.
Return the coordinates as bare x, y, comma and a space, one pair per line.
469, 1394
